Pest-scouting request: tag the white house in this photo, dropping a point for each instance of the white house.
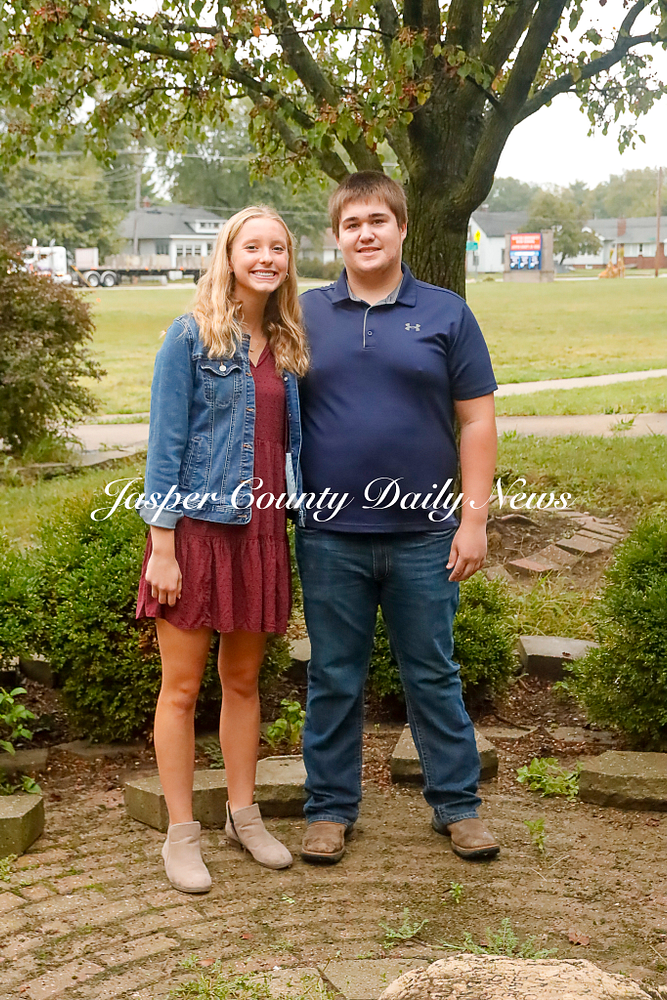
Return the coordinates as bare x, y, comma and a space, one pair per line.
175, 230
492, 228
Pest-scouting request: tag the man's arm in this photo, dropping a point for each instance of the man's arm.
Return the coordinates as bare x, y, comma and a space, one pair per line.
478, 449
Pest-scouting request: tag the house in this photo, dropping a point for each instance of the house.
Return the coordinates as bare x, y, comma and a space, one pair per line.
325, 251
174, 230
492, 228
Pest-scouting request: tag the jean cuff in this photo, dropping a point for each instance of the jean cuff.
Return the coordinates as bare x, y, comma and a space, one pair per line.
331, 818
455, 817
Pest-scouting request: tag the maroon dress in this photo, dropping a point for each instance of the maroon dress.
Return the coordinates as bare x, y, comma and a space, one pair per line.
237, 576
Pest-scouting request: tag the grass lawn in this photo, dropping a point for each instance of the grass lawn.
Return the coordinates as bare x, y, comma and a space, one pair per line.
533, 332
647, 396
572, 328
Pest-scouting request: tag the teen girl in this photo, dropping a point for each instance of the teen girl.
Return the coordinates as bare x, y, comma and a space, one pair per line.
224, 414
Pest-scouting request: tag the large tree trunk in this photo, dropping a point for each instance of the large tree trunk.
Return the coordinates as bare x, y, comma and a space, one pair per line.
435, 247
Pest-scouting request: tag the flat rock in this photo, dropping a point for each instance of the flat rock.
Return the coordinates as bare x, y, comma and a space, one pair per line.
552, 554
497, 573
279, 791
300, 650
37, 668
569, 734
365, 979
583, 544
505, 732
533, 567
607, 540
604, 525
625, 779
494, 977
405, 765
21, 822
86, 750
545, 655
24, 761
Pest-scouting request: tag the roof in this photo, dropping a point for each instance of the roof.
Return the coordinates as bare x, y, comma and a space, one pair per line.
639, 230
161, 221
499, 223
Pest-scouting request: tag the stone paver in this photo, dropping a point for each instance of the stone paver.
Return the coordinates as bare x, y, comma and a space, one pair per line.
545, 655
300, 650
366, 980
583, 545
24, 762
533, 566
405, 764
625, 779
86, 750
52, 984
559, 557
278, 792
21, 822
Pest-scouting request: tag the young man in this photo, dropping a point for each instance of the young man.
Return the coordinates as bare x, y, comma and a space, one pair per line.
393, 361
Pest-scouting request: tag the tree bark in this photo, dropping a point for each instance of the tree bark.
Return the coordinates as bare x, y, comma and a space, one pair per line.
435, 247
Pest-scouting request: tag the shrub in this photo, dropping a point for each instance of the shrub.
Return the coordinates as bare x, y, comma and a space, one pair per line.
74, 598
484, 636
311, 267
44, 328
623, 683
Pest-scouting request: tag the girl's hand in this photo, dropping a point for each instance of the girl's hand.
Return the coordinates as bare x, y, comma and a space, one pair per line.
164, 576
163, 572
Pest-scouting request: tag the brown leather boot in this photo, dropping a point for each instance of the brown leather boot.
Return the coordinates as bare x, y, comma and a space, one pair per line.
323, 843
470, 838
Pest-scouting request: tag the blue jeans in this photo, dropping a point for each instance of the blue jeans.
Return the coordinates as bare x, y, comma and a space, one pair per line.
345, 576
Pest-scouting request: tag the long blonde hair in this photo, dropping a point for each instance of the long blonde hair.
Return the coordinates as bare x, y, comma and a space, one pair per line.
220, 317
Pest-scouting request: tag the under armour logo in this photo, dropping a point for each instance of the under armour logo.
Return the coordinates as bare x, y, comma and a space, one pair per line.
415, 327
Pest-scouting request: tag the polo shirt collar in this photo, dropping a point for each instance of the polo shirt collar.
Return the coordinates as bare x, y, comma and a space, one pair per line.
407, 293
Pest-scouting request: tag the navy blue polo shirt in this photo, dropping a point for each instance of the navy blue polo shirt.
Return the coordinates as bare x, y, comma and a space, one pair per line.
377, 405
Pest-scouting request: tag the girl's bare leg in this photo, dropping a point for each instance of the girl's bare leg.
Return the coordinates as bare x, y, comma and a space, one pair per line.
184, 653
241, 655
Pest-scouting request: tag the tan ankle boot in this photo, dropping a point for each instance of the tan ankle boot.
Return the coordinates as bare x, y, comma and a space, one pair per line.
182, 859
245, 828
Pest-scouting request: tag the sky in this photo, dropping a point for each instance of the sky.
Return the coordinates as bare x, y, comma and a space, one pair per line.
560, 131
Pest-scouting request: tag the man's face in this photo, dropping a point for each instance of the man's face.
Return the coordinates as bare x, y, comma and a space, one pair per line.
369, 238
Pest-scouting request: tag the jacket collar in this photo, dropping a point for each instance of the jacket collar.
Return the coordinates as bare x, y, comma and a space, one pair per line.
407, 294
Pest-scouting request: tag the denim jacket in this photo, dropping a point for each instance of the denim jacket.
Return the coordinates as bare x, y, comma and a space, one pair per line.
201, 436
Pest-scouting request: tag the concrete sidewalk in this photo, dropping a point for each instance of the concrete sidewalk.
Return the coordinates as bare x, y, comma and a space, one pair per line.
595, 424
580, 382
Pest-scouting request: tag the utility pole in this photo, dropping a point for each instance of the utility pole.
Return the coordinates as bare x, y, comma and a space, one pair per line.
657, 223
137, 207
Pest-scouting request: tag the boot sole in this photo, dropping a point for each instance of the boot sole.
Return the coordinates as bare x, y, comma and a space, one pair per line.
322, 859
241, 847
468, 853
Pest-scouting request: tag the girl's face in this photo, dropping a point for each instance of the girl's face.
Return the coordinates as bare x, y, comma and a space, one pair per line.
259, 256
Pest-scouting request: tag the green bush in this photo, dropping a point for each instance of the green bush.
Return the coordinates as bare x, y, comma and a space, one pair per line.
623, 683
311, 267
484, 636
44, 329
18, 603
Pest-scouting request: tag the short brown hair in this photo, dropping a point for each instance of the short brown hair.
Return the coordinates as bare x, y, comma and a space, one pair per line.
363, 186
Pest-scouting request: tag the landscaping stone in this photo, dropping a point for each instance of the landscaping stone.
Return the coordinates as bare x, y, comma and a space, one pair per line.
533, 567
24, 762
605, 540
581, 543
37, 668
86, 750
494, 977
278, 792
602, 524
552, 554
405, 764
21, 822
545, 655
497, 573
505, 732
365, 979
300, 650
625, 779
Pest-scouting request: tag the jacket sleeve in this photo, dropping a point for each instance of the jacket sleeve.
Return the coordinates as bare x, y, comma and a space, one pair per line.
171, 398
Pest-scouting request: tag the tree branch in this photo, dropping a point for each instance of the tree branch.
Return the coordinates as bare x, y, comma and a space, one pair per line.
464, 25
329, 161
135, 45
505, 36
314, 80
624, 42
388, 21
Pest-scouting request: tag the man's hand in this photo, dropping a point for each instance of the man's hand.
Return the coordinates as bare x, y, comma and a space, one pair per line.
468, 551
163, 572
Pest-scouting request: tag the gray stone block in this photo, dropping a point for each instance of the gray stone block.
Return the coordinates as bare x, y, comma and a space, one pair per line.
21, 822
366, 979
300, 650
545, 655
580, 544
405, 764
86, 750
505, 732
626, 780
279, 791
37, 668
24, 762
